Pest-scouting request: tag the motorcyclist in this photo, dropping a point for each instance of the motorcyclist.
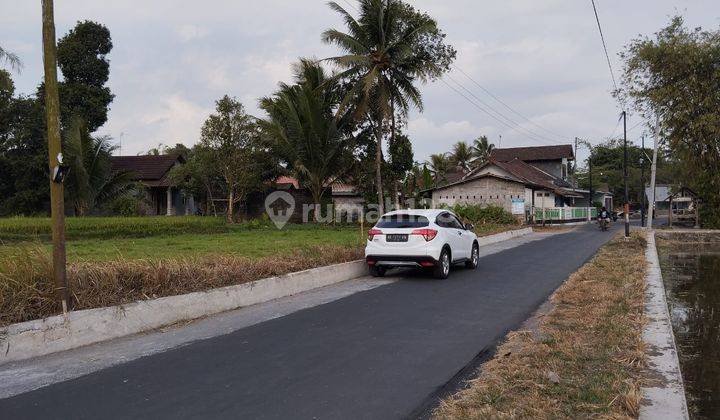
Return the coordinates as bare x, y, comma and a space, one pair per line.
604, 214
604, 218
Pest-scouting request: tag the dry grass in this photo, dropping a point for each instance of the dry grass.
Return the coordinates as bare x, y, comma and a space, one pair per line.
585, 360
26, 290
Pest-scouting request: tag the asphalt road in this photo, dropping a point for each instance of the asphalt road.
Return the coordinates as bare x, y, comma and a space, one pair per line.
380, 353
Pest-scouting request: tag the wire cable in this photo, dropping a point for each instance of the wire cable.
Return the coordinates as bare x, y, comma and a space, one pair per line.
512, 123
511, 109
602, 37
475, 104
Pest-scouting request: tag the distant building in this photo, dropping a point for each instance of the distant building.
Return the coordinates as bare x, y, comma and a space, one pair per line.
152, 172
519, 180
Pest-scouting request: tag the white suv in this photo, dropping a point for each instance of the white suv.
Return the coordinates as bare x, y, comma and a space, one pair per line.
420, 238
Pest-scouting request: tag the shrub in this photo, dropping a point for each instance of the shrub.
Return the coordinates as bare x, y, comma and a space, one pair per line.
478, 214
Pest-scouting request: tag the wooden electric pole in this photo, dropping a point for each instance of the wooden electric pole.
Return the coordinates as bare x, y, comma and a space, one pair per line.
653, 173
642, 182
626, 208
52, 109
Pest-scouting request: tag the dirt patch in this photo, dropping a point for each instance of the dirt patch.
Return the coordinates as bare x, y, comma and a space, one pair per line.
584, 358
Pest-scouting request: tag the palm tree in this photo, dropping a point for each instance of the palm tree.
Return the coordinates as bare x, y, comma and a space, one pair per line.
11, 59
482, 149
439, 165
301, 128
462, 155
91, 180
388, 48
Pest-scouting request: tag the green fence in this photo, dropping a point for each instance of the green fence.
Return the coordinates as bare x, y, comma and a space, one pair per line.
564, 213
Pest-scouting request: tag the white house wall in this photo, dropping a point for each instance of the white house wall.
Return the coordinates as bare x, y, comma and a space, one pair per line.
483, 191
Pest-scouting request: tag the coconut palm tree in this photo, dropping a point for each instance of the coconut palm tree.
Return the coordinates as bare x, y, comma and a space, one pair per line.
388, 48
11, 59
301, 128
439, 165
482, 149
91, 181
462, 155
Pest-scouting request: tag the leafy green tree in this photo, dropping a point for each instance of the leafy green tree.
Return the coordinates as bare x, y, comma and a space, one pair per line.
24, 187
482, 148
401, 162
91, 181
301, 129
607, 166
389, 47
230, 138
462, 156
199, 176
675, 76
82, 59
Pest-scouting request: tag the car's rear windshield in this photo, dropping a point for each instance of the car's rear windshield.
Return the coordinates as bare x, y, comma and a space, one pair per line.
399, 221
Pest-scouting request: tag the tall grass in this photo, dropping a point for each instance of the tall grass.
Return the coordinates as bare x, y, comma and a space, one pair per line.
26, 287
28, 228
26, 290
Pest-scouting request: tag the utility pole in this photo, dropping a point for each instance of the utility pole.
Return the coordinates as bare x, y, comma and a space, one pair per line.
575, 165
592, 192
642, 182
653, 171
57, 170
625, 176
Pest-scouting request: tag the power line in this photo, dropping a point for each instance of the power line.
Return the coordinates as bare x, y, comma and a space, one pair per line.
602, 37
484, 110
616, 127
508, 106
510, 121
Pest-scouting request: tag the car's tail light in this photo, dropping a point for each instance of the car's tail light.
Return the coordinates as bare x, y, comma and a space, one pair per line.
373, 232
428, 234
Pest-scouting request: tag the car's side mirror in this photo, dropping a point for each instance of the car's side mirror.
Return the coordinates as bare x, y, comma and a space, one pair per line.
469, 226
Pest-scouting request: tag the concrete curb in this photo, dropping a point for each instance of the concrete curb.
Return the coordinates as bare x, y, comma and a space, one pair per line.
40, 337
499, 237
80, 328
664, 398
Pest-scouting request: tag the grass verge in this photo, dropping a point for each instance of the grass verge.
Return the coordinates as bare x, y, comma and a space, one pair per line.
26, 288
586, 358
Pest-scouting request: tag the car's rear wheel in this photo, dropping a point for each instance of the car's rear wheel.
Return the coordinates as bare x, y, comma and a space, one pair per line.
472, 263
376, 271
442, 268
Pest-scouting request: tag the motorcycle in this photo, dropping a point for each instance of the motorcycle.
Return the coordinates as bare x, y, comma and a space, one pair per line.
603, 223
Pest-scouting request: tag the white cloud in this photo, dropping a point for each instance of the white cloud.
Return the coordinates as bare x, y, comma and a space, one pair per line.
190, 32
173, 58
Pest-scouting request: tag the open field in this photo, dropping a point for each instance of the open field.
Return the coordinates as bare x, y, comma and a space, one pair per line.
160, 238
33, 228
251, 243
584, 360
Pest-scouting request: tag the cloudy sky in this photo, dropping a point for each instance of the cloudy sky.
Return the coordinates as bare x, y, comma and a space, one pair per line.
172, 59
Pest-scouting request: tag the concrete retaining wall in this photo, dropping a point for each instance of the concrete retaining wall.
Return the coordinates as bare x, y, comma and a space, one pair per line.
499, 237
80, 328
664, 397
